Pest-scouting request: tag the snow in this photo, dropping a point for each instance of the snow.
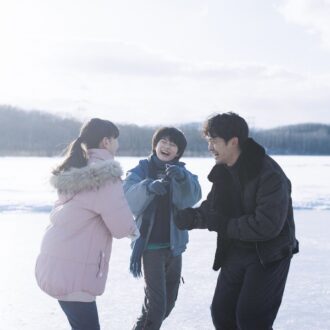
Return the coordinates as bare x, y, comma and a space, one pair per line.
23, 306
26, 199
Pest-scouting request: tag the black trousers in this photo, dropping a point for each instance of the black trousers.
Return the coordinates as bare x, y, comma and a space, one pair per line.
81, 315
248, 295
162, 275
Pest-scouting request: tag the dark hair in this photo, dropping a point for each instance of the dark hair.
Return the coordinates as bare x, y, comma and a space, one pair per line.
174, 135
226, 126
91, 134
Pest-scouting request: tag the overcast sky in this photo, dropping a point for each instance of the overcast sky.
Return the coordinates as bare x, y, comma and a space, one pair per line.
168, 61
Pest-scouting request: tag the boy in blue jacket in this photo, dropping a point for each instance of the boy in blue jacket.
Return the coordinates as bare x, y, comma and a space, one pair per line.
156, 189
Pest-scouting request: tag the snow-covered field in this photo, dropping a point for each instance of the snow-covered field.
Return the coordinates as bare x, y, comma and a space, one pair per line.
25, 199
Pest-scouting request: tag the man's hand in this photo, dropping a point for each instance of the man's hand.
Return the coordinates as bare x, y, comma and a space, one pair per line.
185, 219
215, 220
190, 218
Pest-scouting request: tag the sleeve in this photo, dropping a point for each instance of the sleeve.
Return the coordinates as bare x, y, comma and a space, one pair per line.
205, 215
272, 202
136, 193
111, 204
186, 192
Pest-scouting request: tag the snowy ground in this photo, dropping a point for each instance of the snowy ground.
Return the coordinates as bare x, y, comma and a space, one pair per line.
306, 303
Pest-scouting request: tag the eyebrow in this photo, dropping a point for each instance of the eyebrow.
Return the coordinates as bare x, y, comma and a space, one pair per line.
167, 139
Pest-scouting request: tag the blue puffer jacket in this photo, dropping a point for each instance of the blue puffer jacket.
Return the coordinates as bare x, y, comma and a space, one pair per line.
184, 193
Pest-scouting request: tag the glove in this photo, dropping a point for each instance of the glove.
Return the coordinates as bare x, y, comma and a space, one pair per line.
214, 220
186, 219
217, 222
157, 187
175, 172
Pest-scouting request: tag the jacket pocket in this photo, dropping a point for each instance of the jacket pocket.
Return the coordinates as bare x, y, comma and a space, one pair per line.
101, 265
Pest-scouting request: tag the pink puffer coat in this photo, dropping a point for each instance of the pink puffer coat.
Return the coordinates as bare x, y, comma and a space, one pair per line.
91, 210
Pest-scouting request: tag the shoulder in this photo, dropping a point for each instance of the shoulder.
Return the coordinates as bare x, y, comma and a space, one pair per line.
272, 173
269, 165
90, 177
141, 169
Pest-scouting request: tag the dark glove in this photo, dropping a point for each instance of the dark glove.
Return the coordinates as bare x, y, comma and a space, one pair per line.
175, 172
216, 221
157, 187
187, 219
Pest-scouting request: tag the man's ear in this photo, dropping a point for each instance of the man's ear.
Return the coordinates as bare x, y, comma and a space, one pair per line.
234, 141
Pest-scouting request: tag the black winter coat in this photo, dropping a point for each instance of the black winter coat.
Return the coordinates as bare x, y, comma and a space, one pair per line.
266, 218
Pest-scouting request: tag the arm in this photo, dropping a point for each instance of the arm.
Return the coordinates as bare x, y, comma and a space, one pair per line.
193, 218
272, 201
186, 192
111, 204
136, 193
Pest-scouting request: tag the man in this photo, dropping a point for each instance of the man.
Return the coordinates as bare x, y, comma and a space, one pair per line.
250, 208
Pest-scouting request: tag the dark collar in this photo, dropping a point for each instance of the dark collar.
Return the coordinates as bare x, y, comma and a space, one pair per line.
161, 164
249, 163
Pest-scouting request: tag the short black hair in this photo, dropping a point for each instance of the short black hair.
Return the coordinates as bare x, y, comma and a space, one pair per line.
226, 126
174, 135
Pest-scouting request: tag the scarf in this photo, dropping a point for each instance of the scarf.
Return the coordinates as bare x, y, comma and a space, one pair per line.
139, 245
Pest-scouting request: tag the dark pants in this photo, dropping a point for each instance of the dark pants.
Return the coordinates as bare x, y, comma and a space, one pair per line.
248, 295
162, 274
81, 315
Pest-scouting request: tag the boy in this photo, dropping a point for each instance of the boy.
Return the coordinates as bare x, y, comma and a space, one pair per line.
156, 189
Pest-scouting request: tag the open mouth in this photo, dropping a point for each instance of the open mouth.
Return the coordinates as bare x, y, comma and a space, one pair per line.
165, 153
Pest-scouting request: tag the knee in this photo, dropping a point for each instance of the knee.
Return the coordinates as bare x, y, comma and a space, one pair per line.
169, 308
171, 303
157, 311
219, 319
251, 320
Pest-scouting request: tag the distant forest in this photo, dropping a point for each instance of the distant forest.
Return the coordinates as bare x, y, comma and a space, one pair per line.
37, 133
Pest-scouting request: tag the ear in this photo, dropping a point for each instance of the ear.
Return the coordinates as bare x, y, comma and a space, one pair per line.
103, 143
234, 141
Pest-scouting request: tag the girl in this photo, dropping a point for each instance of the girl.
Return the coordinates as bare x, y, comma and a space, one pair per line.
91, 209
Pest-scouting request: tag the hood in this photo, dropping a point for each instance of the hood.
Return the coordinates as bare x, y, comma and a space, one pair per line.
89, 177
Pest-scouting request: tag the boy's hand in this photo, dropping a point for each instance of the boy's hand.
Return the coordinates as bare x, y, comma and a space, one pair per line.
175, 172
157, 187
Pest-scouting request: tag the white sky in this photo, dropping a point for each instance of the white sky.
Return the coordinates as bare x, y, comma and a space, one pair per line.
168, 61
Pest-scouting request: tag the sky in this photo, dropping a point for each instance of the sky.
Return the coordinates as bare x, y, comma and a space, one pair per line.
152, 62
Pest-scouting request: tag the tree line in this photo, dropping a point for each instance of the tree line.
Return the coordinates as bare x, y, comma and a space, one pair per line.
37, 133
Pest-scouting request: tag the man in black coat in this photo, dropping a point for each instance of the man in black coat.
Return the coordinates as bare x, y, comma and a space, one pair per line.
250, 208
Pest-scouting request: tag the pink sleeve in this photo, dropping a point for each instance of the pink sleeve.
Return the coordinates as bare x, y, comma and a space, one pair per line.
114, 210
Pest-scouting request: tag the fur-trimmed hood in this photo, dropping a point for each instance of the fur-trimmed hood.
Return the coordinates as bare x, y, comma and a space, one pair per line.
90, 177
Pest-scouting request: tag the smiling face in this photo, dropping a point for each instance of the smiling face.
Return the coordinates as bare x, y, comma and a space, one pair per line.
166, 150
224, 152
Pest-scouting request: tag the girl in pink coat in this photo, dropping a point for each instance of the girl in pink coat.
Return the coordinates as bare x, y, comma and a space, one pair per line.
91, 209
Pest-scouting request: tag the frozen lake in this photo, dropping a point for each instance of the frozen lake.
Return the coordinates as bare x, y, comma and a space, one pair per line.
24, 181
26, 197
